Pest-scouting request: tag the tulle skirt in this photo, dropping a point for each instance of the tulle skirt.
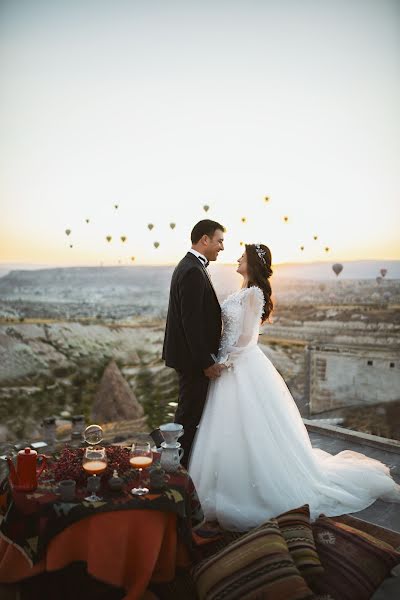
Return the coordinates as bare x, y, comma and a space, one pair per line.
252, 457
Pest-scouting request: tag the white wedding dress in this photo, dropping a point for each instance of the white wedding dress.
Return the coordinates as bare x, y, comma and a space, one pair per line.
252, 458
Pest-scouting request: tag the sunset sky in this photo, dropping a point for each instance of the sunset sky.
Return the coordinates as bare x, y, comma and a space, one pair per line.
163, 107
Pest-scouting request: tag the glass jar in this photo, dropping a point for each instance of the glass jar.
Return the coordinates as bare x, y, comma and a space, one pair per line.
78, 426
49, 430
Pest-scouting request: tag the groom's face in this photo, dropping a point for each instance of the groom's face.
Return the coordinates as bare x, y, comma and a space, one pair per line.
214, 245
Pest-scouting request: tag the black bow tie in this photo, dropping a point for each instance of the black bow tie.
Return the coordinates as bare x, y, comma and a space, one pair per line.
204, 261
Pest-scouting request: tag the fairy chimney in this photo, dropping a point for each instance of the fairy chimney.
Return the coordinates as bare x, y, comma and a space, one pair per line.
114, 399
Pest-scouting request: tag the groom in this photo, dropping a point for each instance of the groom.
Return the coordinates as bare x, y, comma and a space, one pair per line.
193, 328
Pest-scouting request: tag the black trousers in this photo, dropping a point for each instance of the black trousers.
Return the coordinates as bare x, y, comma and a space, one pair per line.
192, 396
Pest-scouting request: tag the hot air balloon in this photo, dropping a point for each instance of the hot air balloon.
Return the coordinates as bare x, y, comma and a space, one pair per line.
243, 219
327, 248
123, 238
133, 258
301, 248
337, 268
379, 280
172, 225
156, 244
116, 206
108, 238
241, 243
266, 198
205, 207
150, 226
71, 246
67, 231
286, 219
87, 220
315, 237
383, 272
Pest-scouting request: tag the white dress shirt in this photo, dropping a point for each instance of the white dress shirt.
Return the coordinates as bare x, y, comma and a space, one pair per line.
200, 256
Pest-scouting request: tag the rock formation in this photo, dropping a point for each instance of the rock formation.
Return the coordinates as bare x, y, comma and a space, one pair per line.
114, 399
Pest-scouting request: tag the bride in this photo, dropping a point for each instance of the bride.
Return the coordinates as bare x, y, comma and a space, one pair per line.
252, 458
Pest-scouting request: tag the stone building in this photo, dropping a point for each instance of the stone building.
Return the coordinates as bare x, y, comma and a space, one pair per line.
340, 375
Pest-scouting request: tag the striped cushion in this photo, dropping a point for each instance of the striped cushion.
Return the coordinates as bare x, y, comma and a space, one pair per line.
257, 565
296, 529
355, 563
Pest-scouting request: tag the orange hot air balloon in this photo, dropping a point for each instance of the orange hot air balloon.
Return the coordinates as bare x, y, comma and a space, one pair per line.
156, 244
383, 272
123, 238
286, 219
67, 231
108, 238
337, 268
150, 226
172, 225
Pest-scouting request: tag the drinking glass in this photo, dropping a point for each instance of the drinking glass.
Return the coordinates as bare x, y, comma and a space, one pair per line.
141, 457
93, 435
94, 462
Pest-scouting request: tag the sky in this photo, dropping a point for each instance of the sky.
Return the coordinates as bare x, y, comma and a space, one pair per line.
163, 107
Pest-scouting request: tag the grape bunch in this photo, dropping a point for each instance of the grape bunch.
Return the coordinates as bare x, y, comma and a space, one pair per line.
69, 466
118, 458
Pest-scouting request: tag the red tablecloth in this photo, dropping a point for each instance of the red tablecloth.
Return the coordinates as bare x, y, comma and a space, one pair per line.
126, 548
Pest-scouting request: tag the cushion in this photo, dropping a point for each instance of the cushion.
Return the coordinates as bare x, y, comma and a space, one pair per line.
257, 565
297, 531
354, 561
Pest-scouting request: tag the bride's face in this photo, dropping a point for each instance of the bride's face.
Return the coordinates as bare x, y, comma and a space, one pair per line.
242, 268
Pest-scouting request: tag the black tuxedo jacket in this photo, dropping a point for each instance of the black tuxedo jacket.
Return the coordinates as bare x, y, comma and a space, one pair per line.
193, 328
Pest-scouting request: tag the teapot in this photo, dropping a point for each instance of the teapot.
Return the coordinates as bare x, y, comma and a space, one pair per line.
24, 478
171, 457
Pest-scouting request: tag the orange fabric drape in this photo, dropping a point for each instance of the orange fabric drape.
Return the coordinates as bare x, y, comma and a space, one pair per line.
127, 548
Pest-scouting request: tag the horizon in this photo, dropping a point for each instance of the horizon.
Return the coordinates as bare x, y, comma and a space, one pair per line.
315, 270
10, 264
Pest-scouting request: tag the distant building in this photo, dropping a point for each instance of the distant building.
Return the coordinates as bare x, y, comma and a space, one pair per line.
344, 375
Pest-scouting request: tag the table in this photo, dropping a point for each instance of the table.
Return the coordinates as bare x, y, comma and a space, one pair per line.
125, 541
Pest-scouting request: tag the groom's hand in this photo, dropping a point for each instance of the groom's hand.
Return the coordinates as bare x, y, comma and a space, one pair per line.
214, 371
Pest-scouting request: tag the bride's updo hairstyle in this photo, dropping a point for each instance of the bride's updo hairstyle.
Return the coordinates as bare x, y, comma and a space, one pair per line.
259, 271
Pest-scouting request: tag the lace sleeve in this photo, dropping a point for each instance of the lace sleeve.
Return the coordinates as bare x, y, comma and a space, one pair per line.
253, 303
242, 317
